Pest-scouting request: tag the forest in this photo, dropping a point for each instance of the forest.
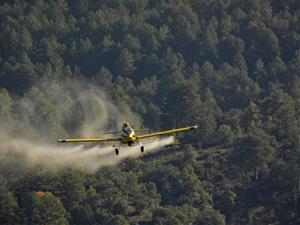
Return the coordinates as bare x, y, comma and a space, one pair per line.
230, 66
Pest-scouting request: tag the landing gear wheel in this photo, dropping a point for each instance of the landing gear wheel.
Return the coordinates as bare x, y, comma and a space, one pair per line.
142, 148
117, 151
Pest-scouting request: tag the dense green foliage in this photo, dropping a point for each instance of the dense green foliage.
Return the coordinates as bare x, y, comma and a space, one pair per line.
230, 66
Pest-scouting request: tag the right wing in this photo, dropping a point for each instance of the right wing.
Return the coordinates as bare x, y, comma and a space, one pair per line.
87, 140
168, 132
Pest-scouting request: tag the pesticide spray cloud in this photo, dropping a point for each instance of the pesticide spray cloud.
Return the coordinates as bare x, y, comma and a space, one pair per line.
89, 159
58, 110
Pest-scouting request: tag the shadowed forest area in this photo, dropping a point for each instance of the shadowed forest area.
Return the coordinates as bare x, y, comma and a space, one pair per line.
230, 66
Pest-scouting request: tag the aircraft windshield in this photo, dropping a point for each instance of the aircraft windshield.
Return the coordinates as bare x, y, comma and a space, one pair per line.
128, 130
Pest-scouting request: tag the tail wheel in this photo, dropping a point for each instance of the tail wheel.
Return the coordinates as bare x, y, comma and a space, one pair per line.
117, 151
142, 148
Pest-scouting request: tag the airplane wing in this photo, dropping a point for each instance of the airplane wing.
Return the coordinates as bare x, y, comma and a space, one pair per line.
87, 140
168, 132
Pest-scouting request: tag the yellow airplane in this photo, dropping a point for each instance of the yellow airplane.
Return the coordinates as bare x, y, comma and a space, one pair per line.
127, 136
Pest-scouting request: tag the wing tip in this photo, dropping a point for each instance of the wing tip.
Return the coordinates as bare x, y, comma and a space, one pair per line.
194, 127
61, 140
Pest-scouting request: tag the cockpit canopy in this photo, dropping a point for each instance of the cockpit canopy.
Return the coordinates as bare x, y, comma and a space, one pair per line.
128, 131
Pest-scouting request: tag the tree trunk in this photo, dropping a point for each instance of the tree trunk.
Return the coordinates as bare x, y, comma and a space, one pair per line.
256, 173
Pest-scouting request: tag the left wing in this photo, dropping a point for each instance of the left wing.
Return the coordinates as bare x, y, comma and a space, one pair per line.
87, 140
168, 132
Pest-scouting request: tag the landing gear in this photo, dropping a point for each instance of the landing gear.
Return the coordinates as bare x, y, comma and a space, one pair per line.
117, 151
142, 148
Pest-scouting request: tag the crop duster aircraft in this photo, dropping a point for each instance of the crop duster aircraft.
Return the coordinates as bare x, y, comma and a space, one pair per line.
127, 136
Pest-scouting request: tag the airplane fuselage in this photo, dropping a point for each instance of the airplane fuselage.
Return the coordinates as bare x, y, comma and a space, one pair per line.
128, 136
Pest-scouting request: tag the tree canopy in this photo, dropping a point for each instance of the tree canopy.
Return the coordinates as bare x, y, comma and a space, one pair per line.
230, 66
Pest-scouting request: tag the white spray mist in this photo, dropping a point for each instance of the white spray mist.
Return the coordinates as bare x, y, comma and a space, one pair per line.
76, 103
77, 156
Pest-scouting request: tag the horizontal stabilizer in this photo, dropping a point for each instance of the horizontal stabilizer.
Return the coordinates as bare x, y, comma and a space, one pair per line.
112, 132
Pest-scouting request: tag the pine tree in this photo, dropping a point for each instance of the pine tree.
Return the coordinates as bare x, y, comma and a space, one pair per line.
47, 209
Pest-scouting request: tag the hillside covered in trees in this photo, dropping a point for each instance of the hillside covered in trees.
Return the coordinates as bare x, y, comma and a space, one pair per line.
230, 66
